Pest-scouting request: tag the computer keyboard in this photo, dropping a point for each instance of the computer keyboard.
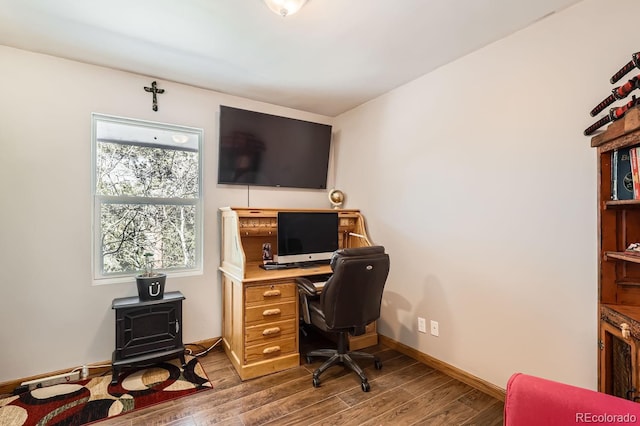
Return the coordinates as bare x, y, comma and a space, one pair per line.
271, 266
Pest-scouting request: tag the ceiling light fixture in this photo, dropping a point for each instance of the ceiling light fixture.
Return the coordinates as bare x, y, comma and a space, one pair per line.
285, 8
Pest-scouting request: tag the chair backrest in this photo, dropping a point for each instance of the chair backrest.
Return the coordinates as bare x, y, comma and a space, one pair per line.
351, 298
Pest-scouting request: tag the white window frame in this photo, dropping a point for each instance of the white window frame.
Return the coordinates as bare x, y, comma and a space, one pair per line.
99, 277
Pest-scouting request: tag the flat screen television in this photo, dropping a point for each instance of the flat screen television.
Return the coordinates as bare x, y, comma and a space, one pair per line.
307, 237
267, 150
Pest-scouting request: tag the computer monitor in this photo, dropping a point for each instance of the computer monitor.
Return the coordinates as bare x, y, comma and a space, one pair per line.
307, 236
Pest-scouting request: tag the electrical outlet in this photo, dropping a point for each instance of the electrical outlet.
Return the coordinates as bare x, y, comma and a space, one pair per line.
52, 380
422, 325
434, 328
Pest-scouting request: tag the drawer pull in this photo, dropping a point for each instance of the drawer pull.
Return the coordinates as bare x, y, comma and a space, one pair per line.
271, 331
626, 332
270, 312
271, 293
271, 349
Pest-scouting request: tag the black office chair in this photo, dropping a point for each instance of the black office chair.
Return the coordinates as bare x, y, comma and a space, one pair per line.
349, 301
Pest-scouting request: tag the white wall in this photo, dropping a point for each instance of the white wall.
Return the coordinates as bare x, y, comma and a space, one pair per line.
478, 180
52, 317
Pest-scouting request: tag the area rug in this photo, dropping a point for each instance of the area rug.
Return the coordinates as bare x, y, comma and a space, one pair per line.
90, 400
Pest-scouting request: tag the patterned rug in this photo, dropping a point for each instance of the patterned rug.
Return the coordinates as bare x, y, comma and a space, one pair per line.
96, 399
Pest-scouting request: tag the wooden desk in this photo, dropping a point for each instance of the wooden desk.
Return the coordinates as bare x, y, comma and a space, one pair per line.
260, 307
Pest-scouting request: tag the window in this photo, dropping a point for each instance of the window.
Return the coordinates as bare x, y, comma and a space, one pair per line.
147, 196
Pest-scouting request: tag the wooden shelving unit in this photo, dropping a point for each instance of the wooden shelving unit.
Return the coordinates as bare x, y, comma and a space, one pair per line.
618, 270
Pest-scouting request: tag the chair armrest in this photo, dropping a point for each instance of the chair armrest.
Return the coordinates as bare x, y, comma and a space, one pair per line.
306, 290
535, 401
306, 286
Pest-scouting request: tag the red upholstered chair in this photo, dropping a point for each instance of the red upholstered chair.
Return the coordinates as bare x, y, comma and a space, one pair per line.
535, 401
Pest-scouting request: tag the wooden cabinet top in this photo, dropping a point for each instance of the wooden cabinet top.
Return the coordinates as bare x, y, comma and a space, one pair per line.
253, 272
620, 133
273, 212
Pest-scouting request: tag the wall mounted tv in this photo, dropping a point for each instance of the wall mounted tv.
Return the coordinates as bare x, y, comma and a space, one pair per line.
268, 150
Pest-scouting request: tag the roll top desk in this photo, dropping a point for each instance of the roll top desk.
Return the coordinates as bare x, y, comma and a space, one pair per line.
260, 307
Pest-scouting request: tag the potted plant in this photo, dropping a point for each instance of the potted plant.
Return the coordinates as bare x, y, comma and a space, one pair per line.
150, 283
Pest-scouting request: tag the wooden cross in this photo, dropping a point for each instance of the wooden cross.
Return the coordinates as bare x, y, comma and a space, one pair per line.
154, 89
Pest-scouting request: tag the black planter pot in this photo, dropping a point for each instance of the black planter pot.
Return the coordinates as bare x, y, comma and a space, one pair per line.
151, 288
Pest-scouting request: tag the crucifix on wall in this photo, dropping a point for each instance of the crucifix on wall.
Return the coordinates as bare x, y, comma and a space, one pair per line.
154, 89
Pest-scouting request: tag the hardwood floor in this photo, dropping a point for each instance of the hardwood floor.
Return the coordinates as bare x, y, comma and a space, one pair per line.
403, 392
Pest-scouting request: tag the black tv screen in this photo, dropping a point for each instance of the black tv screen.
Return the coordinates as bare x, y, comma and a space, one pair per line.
268, 150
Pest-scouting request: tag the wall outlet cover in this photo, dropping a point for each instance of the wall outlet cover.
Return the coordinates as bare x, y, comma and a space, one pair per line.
422, 325
435, 328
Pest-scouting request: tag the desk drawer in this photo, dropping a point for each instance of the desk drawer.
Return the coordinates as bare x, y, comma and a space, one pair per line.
273, 312
270, 293
270, 350
264, 333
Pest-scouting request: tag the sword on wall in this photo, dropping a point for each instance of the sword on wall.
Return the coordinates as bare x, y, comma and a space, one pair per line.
614, 114
617, 93
633, 63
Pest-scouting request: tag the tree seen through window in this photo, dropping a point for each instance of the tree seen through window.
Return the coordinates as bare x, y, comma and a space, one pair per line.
147, 189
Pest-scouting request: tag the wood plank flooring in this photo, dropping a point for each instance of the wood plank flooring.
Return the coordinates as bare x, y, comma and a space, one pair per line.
403, 392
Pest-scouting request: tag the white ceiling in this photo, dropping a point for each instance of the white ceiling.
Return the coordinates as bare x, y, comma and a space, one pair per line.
328, 58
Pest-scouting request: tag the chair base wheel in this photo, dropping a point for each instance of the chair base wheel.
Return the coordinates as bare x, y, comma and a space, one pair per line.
344, 357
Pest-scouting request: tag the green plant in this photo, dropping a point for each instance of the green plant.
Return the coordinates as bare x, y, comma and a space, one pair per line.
148, 265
